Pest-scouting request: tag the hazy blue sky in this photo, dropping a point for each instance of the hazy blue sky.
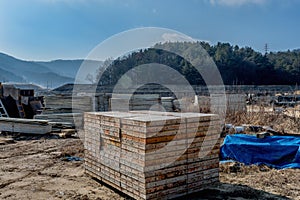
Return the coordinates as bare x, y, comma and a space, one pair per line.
53, 29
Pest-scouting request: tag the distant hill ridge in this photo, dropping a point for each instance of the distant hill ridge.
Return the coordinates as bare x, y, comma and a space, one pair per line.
242, 66
48, 74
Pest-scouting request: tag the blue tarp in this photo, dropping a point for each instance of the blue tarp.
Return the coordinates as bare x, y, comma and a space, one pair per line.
275, 151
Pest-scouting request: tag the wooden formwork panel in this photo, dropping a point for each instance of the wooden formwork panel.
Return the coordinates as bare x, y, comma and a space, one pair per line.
152, 155
30, 126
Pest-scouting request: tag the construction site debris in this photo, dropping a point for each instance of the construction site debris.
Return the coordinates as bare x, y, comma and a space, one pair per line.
239, 129
262, 135
65, 133
72, 158
4, 141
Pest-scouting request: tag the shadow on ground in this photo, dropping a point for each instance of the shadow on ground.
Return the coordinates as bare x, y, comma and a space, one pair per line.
231, 191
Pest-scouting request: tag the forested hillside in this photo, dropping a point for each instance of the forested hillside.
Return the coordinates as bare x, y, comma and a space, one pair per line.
242, 66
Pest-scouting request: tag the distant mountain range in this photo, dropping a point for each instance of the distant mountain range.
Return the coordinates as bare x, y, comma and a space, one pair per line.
47, 74
236, 65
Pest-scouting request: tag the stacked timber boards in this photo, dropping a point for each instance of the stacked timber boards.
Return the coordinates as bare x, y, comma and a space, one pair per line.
152, 155
68, 119
67, 104
31, 126
126, 102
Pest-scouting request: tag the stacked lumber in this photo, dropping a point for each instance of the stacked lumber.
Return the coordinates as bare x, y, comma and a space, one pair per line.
144, 101
234, 103
125, 102
183, 103
63, 104
68, 118
167, 103
102, 102
30, 126
57, 127
152, 155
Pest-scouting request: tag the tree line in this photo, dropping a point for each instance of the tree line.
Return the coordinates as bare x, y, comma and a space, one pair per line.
237, 66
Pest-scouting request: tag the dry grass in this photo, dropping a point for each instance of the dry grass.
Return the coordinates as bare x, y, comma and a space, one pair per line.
242, 169
280, 182
279, 121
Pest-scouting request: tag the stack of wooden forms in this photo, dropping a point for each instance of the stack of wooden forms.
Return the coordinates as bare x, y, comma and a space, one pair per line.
234, 103
68, 118
152, 155
31, 126
167, 103
63, 104
102, 102
125, 102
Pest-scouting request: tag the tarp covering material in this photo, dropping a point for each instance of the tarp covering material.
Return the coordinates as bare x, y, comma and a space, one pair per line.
275, 151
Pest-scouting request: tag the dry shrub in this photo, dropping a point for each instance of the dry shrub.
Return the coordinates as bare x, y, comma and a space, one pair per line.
242, 169
279, 121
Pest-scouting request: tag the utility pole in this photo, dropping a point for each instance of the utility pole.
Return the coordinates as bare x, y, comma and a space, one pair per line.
266, 48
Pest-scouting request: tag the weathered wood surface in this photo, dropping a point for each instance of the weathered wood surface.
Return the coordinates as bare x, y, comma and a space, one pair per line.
126, 102
121, 149
64, 104
30, 126
71, 118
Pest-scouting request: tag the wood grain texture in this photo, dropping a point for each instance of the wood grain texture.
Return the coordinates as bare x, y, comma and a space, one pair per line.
129, 151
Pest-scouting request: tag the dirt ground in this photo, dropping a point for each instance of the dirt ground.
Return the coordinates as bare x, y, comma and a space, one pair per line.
36, 168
